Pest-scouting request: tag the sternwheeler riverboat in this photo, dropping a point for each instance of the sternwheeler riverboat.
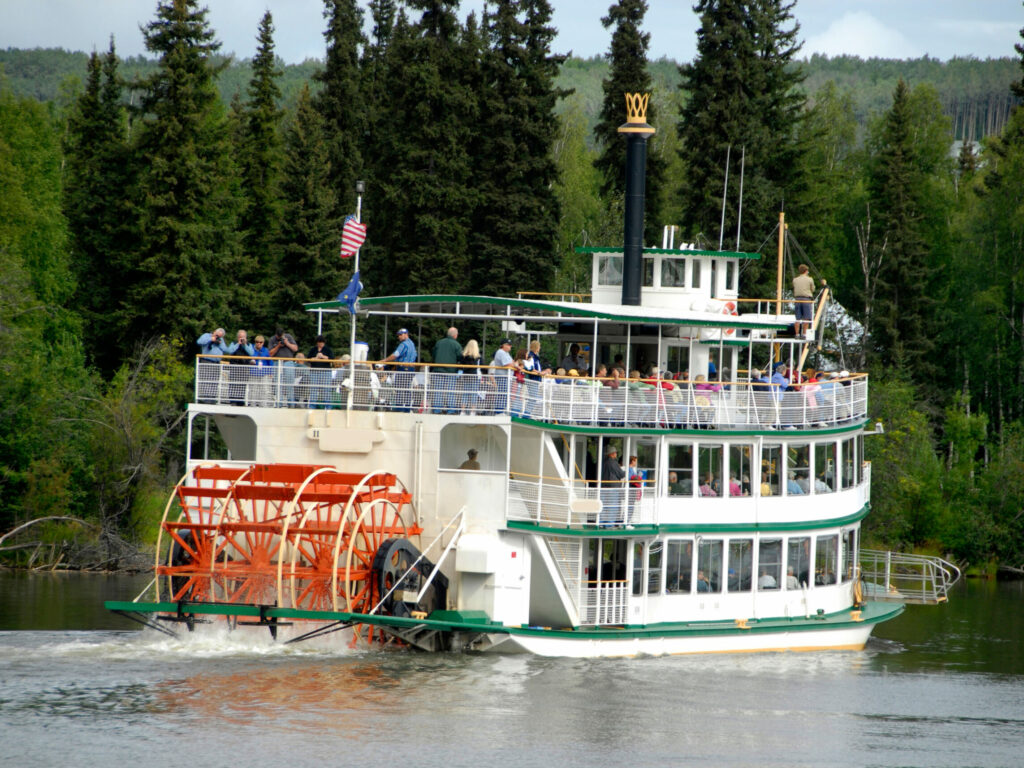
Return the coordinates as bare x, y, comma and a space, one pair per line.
713, 510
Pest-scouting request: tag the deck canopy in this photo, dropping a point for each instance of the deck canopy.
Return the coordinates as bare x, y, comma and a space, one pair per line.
521, 310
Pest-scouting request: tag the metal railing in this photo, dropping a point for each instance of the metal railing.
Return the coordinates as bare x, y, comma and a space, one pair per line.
604, 602
552, 501
903, 578
481, 391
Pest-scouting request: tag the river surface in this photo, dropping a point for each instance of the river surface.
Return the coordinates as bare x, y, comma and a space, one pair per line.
939, 686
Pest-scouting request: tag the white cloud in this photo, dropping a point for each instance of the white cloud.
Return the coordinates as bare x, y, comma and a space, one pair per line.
861, 34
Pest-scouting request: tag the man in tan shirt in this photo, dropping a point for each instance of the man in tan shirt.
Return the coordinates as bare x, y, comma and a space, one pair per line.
803, 294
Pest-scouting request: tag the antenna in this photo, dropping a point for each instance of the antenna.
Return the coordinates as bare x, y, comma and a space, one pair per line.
725, 193
739, 218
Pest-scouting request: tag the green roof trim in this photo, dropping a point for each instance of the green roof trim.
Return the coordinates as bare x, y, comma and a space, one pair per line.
670, 252
705, 433
564, 311
701, 528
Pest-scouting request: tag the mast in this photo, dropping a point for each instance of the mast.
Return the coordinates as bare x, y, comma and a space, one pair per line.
637, 132
778, 280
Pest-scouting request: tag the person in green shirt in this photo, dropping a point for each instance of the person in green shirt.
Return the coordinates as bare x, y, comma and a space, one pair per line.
443, 380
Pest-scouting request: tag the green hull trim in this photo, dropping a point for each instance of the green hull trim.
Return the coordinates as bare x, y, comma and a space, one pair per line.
476, 621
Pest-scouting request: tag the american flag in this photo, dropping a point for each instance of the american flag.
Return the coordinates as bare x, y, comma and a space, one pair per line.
353, 233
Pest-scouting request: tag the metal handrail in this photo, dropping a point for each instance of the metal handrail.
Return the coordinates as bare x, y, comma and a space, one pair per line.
906, 578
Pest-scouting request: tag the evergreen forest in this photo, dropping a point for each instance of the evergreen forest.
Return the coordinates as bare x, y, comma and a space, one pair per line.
146, 201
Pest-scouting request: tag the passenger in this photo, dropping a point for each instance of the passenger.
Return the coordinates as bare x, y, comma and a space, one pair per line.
238, 376
444, 378
703, 585
471, 382
707, 488
282, 344
574, 359
675, 488
539, 366
767, 581
209, 371
320, 361
791, 580
803, 297
735, 489
612, 476
404, 356
259, 386
792, 486
470, 462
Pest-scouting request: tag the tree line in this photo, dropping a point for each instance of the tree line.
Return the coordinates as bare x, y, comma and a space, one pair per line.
142, 208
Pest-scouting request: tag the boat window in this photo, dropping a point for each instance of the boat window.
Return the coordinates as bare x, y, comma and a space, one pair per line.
638, 568
771, 469
740, 468
858, 460
798, 469
654, 553
798, 558
731, 277
709, 469
609, 269
709, 565
824, 467
679, 565
678, 359
714, 278
741, 564
648, 273
849, 554
646, 461
487, 442
849, 479
673, 273
769, 564
826, 551
680, 467
695, 273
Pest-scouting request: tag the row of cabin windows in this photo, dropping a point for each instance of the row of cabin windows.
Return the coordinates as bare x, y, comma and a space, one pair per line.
716, 565
676, 272
718, 470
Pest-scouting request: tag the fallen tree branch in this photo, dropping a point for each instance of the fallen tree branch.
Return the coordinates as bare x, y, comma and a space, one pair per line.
44, 519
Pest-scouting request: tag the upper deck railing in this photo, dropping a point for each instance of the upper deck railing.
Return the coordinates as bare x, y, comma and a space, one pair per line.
481, 391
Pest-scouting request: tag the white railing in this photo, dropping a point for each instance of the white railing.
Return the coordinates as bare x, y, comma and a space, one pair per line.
903, 578
604, 602
554, 399
552, 501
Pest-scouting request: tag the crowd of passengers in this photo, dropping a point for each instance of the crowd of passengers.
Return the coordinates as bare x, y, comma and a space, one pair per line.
318, 379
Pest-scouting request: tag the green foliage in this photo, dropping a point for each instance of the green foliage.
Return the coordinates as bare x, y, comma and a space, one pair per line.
905, 473
629, 74
742, 101
186, 271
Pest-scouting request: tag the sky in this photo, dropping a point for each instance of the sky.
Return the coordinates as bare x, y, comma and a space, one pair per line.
900, 29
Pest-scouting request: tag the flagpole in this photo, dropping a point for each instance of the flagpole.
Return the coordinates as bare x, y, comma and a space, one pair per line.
360, 188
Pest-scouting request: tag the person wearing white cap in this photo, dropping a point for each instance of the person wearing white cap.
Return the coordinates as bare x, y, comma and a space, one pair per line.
405, 356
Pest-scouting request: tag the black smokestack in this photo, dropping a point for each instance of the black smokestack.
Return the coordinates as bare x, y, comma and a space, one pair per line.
637, 132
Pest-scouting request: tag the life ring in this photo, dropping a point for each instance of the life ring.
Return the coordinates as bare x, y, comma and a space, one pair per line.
729, 308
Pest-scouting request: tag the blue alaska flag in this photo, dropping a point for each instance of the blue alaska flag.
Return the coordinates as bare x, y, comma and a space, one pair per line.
351, 293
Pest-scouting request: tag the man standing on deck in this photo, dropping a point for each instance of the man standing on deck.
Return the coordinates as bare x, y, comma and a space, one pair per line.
210, 343
612, 475
447, 352
405, 355
803, 295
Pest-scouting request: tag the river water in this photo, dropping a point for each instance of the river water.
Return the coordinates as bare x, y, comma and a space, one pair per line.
939, 686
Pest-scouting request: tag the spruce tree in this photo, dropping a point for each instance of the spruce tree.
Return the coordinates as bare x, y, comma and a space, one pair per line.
96, 189
309, 267
903, 330
628, 58
186, 274
741, 97
340, 100
260, 169
422, 199
516, 224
